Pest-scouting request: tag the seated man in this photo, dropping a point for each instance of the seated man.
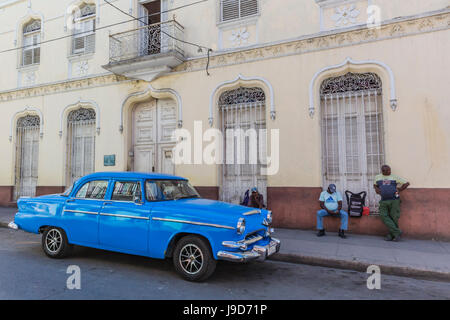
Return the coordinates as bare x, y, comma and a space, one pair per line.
256, 199
331, 203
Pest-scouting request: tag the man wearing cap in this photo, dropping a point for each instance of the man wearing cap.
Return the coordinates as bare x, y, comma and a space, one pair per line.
389, 186
331, 203
256, 199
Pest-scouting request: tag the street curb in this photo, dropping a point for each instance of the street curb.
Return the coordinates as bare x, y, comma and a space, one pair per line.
362, 266
3, 224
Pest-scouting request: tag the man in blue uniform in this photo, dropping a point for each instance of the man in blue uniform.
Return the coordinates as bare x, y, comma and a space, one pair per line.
331, 203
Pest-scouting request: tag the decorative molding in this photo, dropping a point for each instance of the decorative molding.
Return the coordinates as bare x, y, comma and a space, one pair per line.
80, 104
26, 111
30, 15
350, 36
152, 92
69, 10
348, 62
344, 16
241, 78
239, 37
62, 86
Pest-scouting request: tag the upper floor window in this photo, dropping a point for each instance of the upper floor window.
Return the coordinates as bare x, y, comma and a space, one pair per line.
83, 40
31, 52
238, 9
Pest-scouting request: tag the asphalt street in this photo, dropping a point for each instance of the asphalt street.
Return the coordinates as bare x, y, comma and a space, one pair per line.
26, 273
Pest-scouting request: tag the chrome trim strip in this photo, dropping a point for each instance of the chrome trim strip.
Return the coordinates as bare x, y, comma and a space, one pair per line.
78, 211
194, 223
249, 213
123, 216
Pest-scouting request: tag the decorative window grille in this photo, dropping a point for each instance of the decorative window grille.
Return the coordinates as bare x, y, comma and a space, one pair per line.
83, 40
31, 52
27, 152
80, 143
237, 9
240, 110
352, 133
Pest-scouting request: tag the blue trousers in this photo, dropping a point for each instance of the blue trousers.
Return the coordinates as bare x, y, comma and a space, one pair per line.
323, 213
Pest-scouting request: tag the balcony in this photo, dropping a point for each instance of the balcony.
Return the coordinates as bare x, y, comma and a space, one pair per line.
147, 52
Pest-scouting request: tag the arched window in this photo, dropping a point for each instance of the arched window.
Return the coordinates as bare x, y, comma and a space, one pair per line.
83, 39
243, 123
27, 153
80, 143
352, 132
31, 51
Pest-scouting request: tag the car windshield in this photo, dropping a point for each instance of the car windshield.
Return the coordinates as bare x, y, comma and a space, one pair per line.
163, 190
68, 191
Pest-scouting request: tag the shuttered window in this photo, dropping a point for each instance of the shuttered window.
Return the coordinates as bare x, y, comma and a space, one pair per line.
31, 52
237, 9
83, 40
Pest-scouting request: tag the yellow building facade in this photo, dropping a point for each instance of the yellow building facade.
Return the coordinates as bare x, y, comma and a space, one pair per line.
349, 85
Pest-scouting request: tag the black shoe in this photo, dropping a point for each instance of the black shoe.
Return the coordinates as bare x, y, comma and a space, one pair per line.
388, 238
321, 233
397, 238
342, 234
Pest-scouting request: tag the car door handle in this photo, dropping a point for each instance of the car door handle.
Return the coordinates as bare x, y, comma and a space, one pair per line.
107, 202
70, 200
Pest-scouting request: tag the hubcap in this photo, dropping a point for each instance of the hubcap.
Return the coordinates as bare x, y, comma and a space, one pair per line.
191, 259
53, 240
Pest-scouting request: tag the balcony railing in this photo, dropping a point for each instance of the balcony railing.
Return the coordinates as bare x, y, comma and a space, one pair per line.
152, 40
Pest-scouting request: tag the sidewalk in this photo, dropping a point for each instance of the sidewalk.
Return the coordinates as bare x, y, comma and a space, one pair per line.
412, 258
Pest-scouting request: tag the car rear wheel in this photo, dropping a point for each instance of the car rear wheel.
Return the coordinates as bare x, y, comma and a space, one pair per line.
193, 259
55, 244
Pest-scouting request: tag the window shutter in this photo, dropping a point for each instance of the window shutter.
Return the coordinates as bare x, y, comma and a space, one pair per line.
27, 57
36, 55
235, 9
248, 8
230, 10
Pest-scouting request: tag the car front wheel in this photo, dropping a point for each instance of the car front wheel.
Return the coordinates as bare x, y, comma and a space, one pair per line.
55, 244
193, 259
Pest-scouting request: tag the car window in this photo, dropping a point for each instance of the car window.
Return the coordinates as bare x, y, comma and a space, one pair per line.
160, 190
93, 190
126, 190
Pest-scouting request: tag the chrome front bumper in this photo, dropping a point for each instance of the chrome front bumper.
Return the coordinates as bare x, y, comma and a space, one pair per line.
257, 253
12, 225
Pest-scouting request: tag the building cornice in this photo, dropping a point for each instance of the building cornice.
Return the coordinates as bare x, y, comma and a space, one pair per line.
356, 35
63, 86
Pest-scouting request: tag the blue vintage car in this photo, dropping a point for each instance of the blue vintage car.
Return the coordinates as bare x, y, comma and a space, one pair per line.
153, 215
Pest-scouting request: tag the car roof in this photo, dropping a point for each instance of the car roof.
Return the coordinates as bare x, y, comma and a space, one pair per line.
132, 175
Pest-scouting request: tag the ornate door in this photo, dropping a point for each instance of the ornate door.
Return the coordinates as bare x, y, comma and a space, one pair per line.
153, 124
27, 154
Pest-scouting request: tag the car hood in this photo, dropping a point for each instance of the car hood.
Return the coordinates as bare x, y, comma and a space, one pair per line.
213, 211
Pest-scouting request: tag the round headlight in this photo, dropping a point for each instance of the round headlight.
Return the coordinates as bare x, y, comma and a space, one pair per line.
241, 226
269, 217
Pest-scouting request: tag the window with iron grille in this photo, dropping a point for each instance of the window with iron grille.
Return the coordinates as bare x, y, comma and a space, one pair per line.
27, 154
352, 133
80, 143
83, 40
237, 9
31, 52
243, 123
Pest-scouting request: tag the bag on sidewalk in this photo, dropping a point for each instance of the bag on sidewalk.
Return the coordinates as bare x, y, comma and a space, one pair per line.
356, 203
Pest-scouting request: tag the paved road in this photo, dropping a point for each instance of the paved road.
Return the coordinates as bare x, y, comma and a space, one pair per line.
26, 273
